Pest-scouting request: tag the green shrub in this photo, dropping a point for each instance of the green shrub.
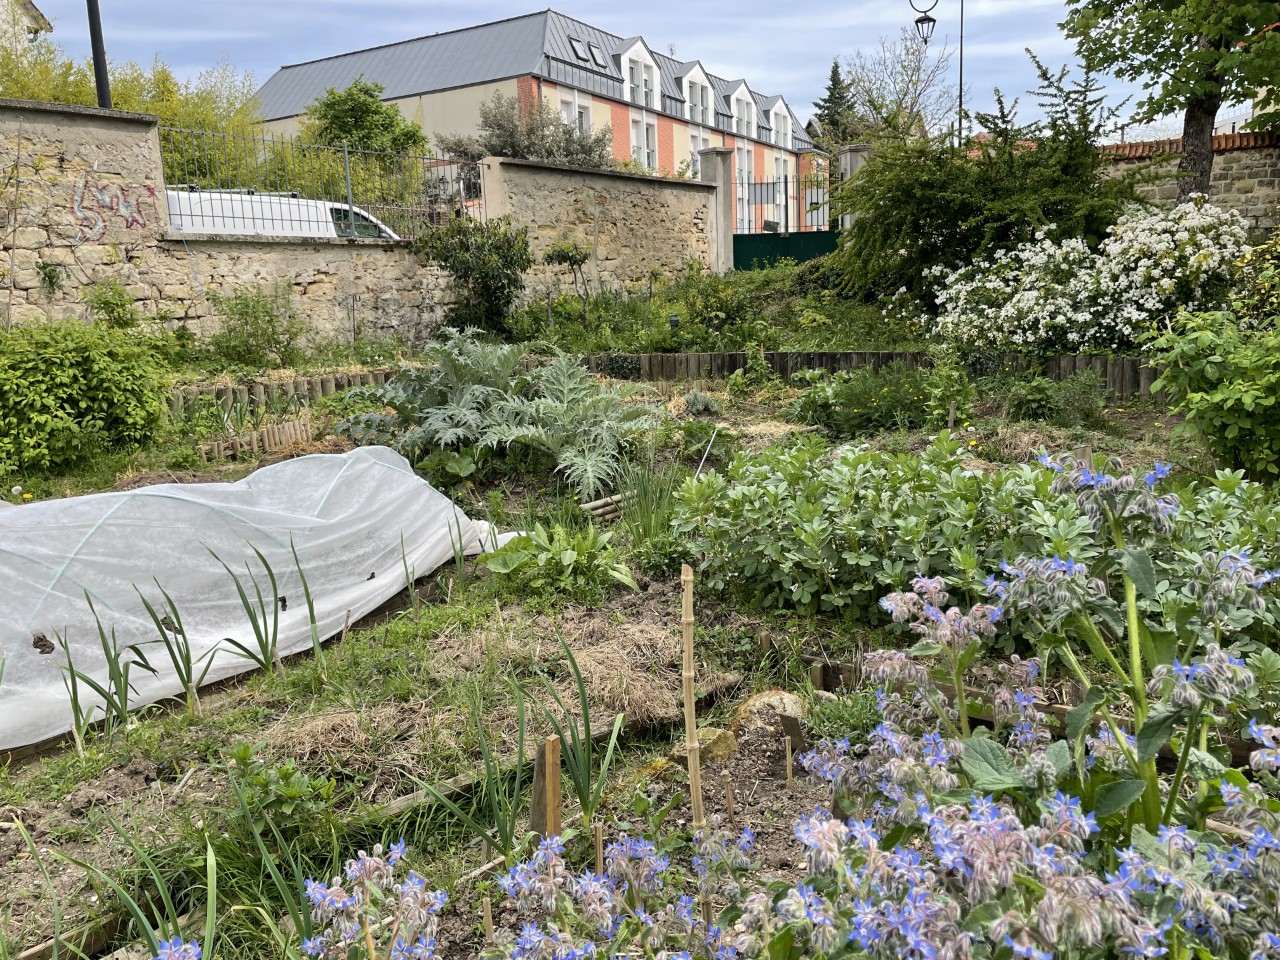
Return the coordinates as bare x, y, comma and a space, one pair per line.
111, 305
68, 390
1077, 401
487, 262
866, 400
259, 330
923, 203
1226, 381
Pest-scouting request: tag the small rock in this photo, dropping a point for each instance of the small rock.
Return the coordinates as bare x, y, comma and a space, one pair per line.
765, 711
715, 745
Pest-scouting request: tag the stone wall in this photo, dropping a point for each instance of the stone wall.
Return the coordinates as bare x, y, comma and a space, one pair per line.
82, 202
1246, 172
631, 224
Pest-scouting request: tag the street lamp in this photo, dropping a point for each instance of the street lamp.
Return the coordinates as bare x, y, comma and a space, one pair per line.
924, 29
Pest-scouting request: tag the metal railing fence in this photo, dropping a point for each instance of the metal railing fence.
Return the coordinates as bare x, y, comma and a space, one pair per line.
784, 204
265, 184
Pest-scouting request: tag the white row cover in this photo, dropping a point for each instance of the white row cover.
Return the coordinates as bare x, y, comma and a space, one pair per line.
354, 520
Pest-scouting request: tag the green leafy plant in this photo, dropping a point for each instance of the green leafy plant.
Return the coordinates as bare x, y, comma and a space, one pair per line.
867, 400
173, 637
108, 302
68, 389
265, 653
1226, 381
578, 747
280, 795
580, 424
120, 660
487, 261
52, 276
501, 796
697, 404
851, 714
579, 564
259, 328
443, 406
1074, 402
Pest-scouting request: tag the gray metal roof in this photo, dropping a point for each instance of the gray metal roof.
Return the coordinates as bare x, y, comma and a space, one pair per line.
482, 54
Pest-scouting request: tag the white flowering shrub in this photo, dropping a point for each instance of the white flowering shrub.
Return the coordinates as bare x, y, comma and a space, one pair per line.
1051, 295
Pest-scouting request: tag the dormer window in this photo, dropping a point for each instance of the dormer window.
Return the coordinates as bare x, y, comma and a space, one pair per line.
743, 117
579, 49
641, 75
782, 129
597, 57
699, 97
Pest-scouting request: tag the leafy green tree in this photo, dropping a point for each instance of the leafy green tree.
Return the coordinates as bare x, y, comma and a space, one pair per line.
835, 109
219, 98
1191, 57
358, 117
530, 131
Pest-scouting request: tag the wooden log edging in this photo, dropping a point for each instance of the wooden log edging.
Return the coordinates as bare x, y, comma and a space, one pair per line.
274, 436
1126, 377
263, 394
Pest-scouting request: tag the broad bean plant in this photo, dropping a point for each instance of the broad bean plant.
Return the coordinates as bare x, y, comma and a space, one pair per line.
817, 529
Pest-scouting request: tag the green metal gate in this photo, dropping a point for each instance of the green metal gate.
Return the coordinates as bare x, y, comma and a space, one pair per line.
752, 251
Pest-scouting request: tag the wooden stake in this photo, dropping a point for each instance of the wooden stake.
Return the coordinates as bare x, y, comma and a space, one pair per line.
488, 922
690, 719
544, 815
951, 416
599, 835
790, 773
728, 797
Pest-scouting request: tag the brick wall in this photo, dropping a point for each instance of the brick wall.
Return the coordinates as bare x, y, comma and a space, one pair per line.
1246, 172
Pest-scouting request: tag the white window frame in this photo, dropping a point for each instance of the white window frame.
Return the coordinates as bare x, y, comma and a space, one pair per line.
743, 105
579, 113
649, 79
782, 136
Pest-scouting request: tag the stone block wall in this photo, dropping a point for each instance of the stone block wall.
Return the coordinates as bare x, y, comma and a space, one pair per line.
82, 202
630, 223
1246, 172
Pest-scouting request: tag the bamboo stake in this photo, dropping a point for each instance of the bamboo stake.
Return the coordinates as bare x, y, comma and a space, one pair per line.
790, 770
690, 718
488, 922
599, 836
728, 797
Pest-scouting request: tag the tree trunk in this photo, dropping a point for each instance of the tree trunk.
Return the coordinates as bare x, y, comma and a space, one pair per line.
1196, 165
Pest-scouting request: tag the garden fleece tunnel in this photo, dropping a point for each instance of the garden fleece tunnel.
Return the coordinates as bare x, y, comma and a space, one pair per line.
356, 521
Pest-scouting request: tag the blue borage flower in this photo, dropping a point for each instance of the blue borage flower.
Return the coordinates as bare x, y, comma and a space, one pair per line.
178, 949
1026, 950
1158, 473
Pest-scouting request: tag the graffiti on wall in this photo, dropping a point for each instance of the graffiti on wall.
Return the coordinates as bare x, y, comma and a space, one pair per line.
92, 204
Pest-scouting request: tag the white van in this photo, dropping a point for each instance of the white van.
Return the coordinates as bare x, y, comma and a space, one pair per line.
245, 213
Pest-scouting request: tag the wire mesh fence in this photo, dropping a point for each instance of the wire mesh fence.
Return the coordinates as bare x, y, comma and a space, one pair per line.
263, 184
784, 204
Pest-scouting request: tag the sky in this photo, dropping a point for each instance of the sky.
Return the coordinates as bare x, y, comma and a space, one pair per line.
781, 48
